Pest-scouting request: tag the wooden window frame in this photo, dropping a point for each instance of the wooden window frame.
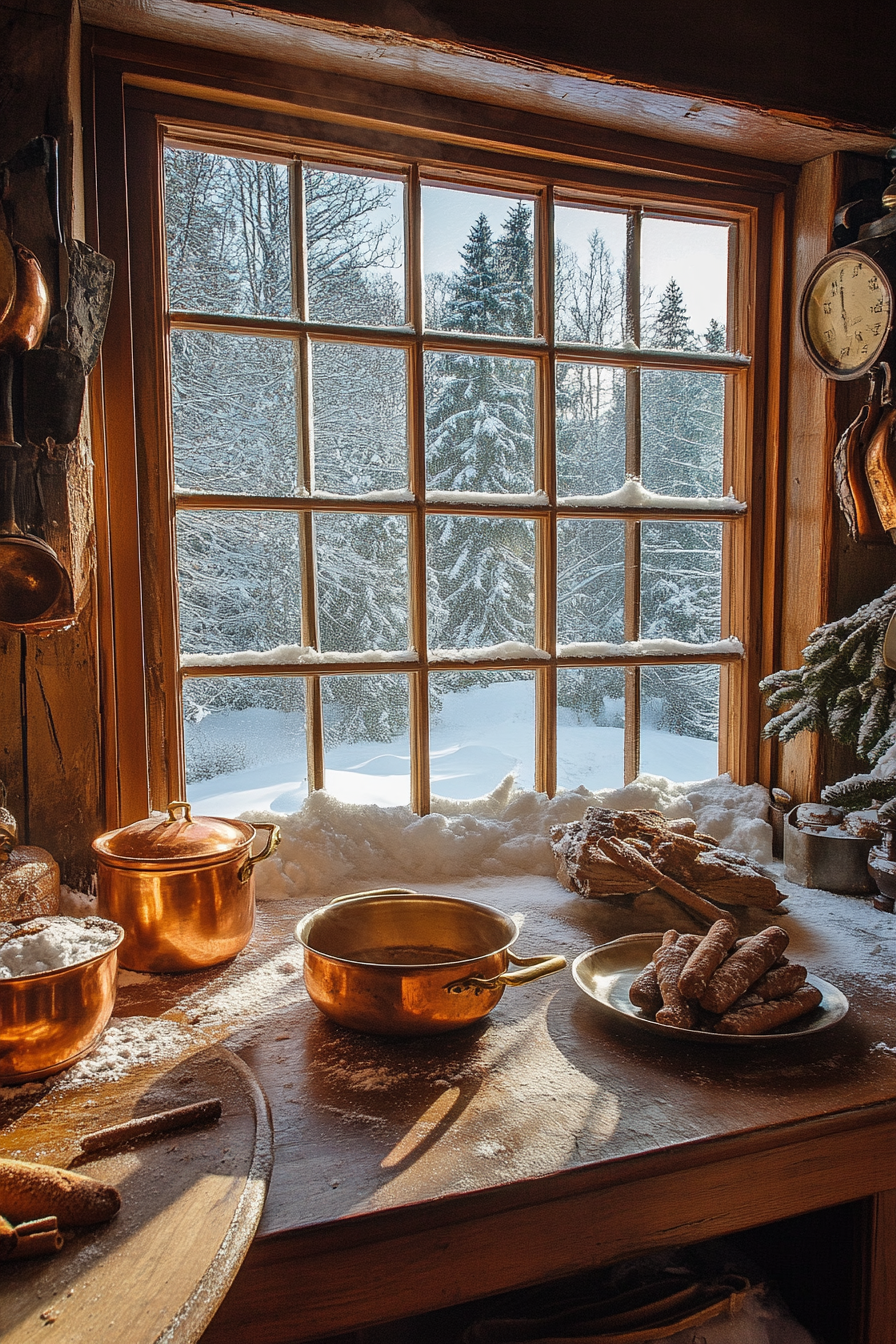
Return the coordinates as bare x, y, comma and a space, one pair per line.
134, 112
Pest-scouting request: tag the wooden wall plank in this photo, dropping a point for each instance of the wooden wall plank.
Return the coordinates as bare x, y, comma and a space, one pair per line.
809, 504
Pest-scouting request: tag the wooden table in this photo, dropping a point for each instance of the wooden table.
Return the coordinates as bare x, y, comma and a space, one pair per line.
411, 1175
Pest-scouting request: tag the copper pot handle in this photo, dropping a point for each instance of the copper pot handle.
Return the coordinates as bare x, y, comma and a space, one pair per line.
533, 969
274, 838
187, 811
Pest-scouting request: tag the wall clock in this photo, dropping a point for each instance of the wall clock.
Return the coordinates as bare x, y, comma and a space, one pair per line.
847, 311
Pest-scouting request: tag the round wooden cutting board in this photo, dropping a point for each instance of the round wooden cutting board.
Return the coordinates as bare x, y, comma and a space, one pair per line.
190, 1200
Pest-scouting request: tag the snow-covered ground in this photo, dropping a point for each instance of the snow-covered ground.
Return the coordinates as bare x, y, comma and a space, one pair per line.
481, 736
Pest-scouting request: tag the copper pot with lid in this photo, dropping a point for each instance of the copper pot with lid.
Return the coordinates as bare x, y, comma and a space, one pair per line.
181, 887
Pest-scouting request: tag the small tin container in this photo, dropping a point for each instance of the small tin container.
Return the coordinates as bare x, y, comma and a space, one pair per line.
827, 862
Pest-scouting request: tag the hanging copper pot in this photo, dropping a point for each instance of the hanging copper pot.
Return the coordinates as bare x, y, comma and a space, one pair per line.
853, 490
7, 275
880, 466
25, 324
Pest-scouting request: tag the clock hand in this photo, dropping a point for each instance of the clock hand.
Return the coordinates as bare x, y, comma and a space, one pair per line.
843, 310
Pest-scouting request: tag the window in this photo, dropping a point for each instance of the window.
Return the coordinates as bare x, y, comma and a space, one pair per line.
445, 469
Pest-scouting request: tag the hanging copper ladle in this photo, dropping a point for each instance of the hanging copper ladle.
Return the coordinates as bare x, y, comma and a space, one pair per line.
31, 577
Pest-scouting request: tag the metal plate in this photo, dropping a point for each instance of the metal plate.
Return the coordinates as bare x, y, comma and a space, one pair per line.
605, 974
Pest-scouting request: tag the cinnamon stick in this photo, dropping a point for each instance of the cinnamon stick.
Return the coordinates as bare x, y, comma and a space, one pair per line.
8, 1238
148, 1125
38, 1243
626, 856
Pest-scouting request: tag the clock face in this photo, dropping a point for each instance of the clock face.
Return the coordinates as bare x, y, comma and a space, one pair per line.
847, 314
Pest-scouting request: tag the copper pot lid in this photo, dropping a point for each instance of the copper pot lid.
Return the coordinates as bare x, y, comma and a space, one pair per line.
176, 838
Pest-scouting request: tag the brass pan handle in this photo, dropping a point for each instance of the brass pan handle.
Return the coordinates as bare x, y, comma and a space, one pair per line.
274, 838
381, 891
187, 810
533, 969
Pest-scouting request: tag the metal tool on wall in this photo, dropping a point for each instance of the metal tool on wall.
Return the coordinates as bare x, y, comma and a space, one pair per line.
47, 359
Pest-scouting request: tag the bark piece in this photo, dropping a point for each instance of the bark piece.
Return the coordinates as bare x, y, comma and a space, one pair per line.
628, 857
695, 861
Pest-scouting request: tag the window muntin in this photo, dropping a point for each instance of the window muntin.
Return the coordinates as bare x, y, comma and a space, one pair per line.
603, 399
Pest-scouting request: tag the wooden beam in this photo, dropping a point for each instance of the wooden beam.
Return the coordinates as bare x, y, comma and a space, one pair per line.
808, 503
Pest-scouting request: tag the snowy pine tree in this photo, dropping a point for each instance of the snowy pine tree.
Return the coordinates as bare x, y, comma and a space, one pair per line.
671, 328
682, 449
843, 686
480, 438
514, 263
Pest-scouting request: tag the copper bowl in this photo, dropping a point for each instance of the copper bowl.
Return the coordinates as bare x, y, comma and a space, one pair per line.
51, 1019
401, 963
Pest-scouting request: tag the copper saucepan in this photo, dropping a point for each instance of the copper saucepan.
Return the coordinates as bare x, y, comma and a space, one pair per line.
400, 963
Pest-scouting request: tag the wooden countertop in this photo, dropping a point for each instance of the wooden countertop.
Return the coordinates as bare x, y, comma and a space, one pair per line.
544, 1104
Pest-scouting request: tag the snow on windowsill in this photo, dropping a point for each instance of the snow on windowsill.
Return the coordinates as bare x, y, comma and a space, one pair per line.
299, 654
538, 499
508, 651
330, 847
634, 495
641, 648
369, 496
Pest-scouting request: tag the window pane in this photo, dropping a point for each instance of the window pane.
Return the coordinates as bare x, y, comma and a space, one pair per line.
477, 261
360, 418
590, 429
590, 723
590, 275
684, 284
233, 404
590, 580
680, 721
227, 225
367, 738
480, 423
682, 431
681, 581
481, 581
239, 581
483, 728
354, 227
244, 739
362, 581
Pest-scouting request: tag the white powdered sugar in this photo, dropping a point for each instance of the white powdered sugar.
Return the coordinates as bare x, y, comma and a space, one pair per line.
126, 1044
330, 846
51, 943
